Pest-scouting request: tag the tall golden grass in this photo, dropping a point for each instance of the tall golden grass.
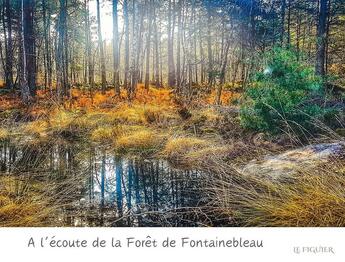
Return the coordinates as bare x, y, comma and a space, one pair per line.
21, 207
309, 198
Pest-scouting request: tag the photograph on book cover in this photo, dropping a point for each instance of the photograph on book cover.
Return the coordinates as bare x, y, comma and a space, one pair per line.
176, 113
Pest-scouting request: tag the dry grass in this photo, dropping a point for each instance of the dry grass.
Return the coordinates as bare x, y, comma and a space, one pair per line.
100, 125
139, 141
143, 114
203, 120
192, 151
308, 199
20, 213
226, 98
4, 133
61, 120
105, 134
37, 128
19, 207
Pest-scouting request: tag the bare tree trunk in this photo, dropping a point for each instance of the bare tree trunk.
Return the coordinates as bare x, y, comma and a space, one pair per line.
194, 43
126, 27
24, 87
101, 48
61, 58
30, 48
88, 44
47, 50
222, 73
202, 68
133, 57
171, 66
116, 50
209, 49
289, 23
9, 52
156, 41
136, 48
282, 29
148, 45
178, 58
327, 36
321, 38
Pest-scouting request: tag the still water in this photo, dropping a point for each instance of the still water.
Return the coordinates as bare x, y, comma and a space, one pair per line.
92, 186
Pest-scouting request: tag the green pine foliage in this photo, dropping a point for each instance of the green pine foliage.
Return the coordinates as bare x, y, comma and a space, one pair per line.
286, 94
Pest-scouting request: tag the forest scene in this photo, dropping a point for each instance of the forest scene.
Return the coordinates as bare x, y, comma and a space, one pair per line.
179, 113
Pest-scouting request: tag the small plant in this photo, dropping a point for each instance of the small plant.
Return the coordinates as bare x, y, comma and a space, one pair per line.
286, 94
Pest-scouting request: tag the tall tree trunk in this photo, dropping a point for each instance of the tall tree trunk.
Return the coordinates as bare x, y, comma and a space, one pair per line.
148, 45
321, 38
171, 66
178, 48
202, 68
134, 51
101, 48
289, 24
66, 60
24, 87
9, 52
156, 42
327, 36
282, 29
47, 49
126, 27
222, 72
88, 47
61, 58
116, 51
209, 48
29, 45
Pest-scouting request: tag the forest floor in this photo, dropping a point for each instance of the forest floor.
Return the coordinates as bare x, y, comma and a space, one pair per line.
157, 125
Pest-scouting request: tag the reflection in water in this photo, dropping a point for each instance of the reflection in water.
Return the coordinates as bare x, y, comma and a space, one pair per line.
98, 188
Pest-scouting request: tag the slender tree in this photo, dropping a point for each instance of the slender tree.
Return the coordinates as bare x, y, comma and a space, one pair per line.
101, 48
61, 52
171, 66
126, 28
282, 30
156, 44
116, 50
148, 44
178, 47
9, 45
25, 91
209, 46
321, 38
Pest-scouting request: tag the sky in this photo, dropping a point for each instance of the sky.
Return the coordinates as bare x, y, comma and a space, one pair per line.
106, 18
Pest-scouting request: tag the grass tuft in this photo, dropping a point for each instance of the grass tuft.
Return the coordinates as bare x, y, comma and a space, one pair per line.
142, 141
104, 134
4, 134
19, 208
309, 199
192, 151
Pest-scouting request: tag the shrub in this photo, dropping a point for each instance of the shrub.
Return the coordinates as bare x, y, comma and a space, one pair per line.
286, 94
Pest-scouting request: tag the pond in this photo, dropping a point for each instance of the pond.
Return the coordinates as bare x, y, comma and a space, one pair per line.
92, 186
